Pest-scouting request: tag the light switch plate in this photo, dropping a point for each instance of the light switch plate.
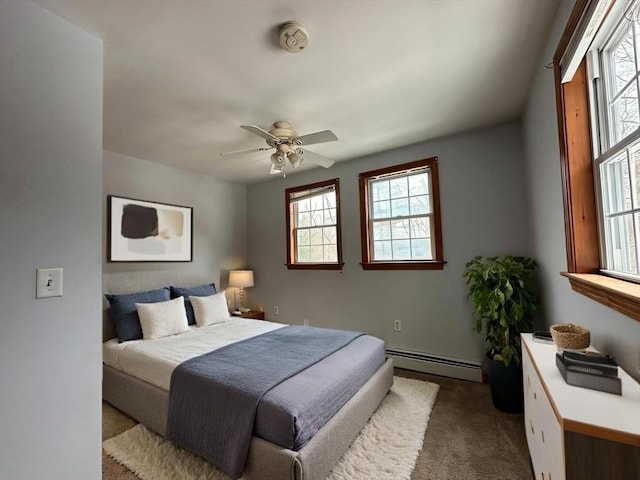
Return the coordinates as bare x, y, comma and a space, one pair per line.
48, 282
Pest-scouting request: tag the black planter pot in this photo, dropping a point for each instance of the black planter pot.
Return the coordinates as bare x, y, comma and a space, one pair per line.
506, 385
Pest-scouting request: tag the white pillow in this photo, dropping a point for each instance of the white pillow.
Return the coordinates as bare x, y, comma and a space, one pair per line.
162, 319
210, 310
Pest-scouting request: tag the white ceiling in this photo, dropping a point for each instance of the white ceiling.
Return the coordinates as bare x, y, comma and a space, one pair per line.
181, 76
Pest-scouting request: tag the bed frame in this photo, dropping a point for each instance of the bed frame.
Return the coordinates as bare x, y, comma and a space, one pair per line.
148, 403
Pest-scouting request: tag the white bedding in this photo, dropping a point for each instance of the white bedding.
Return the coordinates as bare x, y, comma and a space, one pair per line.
155, 360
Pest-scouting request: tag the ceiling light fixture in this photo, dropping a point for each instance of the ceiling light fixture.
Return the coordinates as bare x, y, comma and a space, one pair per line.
295, 158
277, 169
277, 163
277, 159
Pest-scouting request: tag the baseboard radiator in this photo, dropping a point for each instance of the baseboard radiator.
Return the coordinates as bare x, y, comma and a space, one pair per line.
436, 365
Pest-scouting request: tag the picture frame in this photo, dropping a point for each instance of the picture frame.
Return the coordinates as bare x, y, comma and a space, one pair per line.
144, 231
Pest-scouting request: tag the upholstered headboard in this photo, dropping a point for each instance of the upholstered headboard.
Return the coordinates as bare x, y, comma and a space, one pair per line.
131, 282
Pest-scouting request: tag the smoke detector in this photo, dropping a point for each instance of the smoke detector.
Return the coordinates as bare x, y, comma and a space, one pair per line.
294, 37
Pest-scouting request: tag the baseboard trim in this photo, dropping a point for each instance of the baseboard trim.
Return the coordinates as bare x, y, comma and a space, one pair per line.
436, 365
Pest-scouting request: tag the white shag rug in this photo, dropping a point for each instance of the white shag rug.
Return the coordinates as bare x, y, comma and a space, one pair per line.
386, 448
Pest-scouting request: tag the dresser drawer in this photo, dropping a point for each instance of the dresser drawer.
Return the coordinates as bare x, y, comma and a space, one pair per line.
544, 433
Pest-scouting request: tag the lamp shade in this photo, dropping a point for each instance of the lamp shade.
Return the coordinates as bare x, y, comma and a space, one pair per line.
277, 159
295, 160
241, 278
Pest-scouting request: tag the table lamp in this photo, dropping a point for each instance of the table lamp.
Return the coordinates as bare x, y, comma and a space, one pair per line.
241, 279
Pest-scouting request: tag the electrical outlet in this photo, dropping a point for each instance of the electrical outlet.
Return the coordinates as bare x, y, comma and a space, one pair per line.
276, 310
397, 326
305, 322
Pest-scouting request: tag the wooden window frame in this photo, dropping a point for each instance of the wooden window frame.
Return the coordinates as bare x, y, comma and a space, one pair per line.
291, 240
438, 262
579, 190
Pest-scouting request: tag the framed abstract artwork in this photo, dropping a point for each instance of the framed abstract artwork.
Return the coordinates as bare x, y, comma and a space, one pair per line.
141, 231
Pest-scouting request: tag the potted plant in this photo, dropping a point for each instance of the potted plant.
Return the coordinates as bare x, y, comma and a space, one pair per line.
504, 302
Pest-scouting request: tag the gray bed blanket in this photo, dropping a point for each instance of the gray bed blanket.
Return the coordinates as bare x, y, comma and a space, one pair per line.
213, 397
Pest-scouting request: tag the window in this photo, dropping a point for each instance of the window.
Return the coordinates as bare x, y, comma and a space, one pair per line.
598, 136
313, 225
615, 102
400, 217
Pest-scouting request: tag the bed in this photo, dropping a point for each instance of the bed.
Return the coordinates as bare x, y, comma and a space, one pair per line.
143, 392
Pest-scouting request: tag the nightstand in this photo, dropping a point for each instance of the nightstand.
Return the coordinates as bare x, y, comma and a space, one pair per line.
255, 314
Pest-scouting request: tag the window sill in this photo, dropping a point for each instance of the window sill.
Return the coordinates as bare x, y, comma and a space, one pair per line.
434, 265
618, 294
314, 266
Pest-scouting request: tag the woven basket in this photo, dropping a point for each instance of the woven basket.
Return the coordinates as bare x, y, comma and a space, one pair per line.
570, 337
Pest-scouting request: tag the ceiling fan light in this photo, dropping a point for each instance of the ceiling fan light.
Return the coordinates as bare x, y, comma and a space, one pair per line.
295, 160
277, 159
276, 169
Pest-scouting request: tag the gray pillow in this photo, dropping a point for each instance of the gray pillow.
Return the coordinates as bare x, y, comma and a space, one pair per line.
124, 314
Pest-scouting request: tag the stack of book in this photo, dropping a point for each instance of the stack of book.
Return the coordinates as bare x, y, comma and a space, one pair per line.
590, 370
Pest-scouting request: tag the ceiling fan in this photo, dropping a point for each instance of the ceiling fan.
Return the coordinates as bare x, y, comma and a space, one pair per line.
288, 145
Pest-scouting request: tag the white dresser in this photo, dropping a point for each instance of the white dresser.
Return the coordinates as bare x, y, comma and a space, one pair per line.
574, 432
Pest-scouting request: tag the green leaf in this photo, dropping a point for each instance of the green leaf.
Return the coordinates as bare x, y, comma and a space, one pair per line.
502, 293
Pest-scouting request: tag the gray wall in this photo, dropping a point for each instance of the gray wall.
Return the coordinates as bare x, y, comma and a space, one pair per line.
219, 214
50, 216
483, 213
610, 332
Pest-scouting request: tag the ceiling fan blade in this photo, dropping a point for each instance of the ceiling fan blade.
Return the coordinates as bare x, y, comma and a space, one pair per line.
318, 137
260, 132
318, 159
248, 150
